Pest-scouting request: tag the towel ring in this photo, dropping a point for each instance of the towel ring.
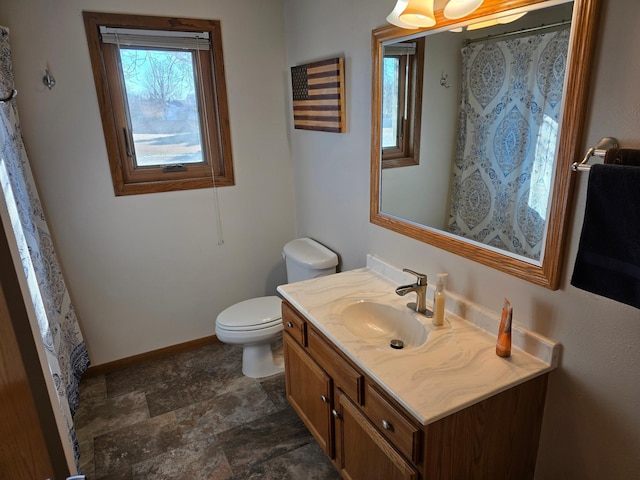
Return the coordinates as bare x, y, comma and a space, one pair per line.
600, 150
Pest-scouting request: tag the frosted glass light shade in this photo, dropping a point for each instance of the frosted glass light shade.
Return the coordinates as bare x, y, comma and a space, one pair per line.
460, 8
395, 13
511, 18
496, 21
484, 24
418, 13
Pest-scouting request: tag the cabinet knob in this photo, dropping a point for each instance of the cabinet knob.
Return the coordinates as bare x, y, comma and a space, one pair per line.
386, 425
335, 414
324, 399
289, 324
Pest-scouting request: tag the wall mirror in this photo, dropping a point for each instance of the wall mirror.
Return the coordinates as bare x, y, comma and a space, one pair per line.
494, 108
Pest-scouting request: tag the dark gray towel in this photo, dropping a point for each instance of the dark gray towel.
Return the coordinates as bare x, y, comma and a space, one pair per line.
608, 259
622, 156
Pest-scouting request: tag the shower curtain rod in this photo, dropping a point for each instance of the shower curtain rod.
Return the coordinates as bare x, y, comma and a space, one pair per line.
517, 32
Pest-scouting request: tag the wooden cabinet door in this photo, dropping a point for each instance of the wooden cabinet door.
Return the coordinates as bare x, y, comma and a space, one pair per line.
362, 453
309, 392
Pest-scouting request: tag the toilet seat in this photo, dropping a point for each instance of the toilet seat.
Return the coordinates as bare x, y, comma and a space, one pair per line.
253, 314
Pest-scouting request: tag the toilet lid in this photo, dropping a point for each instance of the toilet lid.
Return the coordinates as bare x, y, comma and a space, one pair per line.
256, 312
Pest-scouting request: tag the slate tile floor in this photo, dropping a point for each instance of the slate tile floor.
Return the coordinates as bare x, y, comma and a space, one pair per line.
193, 416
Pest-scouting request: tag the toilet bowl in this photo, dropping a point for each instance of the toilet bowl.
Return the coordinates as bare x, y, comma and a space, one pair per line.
256, 324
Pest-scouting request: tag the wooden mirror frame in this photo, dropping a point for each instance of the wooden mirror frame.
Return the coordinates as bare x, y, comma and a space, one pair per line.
547, 272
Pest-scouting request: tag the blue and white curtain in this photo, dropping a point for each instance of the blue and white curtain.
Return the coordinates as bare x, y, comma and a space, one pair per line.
65, 349
507, 133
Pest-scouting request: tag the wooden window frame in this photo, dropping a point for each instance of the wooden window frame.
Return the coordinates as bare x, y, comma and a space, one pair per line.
407, 151
129, 179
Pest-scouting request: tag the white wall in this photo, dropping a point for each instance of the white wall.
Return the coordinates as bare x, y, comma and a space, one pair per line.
146, 271
592, 422
421, 193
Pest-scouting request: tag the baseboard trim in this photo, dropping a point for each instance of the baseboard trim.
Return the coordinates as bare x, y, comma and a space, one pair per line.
123, 363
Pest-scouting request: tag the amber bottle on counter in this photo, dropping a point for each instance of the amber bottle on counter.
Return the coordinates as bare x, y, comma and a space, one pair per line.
503, 345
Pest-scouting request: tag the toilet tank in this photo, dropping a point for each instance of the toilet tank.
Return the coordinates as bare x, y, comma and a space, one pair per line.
306, 258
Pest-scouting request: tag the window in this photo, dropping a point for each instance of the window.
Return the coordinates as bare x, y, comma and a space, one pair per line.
162, 96
402, 103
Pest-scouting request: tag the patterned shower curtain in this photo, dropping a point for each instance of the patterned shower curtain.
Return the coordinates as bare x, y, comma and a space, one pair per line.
65, 350
507, 133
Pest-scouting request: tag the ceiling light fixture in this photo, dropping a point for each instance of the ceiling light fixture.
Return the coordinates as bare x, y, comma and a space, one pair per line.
511, 18
460, 8
413, 14
483, 24
490, 23
393, 17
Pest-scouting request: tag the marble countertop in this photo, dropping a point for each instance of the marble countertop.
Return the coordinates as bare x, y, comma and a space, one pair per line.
456, 367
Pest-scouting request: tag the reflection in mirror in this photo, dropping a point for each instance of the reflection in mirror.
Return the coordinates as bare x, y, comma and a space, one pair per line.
492, 180
402, 73
499, 117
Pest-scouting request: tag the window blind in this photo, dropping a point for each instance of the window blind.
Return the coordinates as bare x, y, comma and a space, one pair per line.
400, 49
156, 38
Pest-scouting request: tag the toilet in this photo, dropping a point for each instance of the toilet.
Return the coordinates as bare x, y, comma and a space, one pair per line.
256, 324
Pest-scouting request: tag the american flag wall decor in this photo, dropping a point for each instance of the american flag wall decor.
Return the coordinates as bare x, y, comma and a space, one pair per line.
318, 96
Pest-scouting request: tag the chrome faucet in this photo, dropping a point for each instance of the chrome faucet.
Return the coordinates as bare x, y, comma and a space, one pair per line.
420, 287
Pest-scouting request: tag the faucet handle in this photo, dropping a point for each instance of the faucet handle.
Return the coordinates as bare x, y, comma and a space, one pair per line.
422, 278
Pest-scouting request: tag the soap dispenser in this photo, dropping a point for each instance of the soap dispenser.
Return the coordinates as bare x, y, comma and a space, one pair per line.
439, 300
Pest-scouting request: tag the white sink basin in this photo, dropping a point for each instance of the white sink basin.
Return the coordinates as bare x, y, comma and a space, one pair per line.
380, 324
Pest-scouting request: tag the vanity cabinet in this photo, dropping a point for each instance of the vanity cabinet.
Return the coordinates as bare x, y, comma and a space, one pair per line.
327, 392
368, 435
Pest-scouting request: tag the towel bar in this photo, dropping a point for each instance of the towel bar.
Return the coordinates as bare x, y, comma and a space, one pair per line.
600, 150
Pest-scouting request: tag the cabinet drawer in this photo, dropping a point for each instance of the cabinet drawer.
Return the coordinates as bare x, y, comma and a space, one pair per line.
402, 433
344, 375
294, 325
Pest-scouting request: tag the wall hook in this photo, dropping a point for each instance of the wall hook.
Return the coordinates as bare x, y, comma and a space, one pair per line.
48, 79
11, 96
444, 80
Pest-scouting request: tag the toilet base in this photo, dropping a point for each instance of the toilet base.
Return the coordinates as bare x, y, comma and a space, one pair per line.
261, 361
